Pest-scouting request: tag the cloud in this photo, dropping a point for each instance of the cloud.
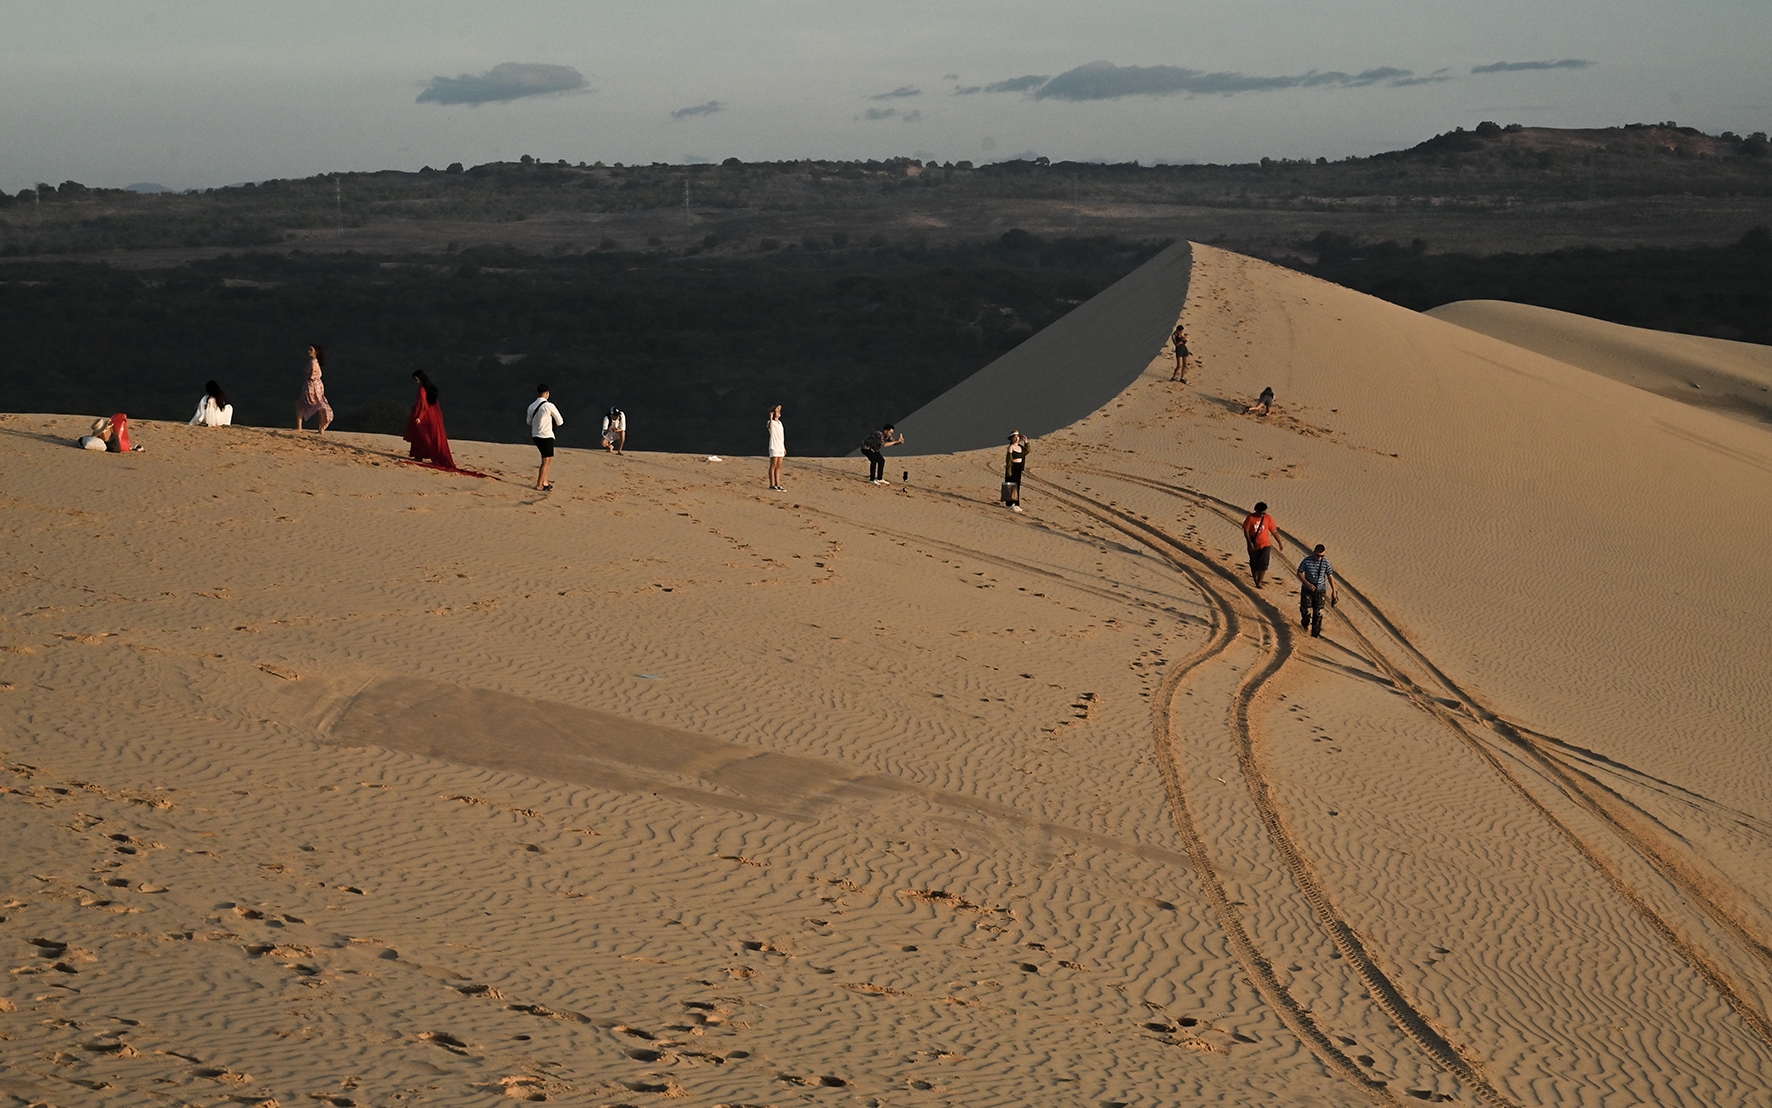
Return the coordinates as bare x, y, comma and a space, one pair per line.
898, 93
694, 110
1107, 81
1013, 84
911, 117
1433, 78
508, 81
873, 114
1515, 67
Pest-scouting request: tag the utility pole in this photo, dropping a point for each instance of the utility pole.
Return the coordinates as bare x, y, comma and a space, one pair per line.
338, 202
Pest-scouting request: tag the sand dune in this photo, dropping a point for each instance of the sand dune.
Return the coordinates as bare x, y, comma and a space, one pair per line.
1705, 372
331, 777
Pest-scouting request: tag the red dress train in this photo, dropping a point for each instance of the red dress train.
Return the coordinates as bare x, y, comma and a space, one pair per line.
424, 430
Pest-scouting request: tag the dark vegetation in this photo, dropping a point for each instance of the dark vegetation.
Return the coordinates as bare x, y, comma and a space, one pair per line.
1720, 291
852, 292
694, 349
1489, 169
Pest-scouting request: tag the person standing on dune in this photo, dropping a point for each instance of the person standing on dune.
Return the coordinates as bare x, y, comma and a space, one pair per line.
543, 417
873, 449
1015, 461
1178, 339
778, 448
1261, 534
1316, 577
424, 427
313, 398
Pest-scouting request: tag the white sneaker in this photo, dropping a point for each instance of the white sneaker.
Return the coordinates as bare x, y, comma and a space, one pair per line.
1015, 507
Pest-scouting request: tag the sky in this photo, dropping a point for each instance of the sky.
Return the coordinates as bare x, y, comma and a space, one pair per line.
198, 93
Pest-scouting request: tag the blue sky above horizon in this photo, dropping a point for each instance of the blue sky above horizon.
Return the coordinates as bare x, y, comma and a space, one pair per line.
196, 93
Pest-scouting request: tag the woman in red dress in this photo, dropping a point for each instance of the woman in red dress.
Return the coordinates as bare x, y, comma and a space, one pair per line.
424, 427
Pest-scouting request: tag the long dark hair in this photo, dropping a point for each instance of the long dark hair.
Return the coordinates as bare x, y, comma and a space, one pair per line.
425, 383
215, 390
319, 354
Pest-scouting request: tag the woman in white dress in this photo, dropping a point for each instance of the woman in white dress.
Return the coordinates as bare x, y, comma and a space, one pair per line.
213, 410
778, 448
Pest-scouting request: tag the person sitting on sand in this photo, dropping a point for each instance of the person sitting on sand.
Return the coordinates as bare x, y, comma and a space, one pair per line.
1264, 405
99, 438
424, 427
1179, 340
873, 448
213, 410
109, 434
1015, 460
312, 402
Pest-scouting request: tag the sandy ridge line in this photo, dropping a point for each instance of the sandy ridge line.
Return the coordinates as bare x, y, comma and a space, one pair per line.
1604, 804
1277, 648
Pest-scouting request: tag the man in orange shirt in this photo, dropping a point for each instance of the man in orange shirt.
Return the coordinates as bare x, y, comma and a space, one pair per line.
1262, 535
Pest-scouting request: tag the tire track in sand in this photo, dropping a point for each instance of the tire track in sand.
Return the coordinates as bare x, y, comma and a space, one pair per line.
1555, 763
1221, 588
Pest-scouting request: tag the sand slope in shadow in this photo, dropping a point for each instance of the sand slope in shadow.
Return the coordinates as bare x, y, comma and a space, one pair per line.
1062, 374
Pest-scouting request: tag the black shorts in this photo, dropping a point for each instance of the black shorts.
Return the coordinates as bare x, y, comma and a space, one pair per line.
1258, 558
546, 446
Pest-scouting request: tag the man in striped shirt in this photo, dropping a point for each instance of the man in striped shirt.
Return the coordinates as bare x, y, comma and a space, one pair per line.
1316, 577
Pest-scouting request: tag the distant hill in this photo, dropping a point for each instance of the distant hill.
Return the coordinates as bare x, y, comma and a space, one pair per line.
145, 186
1493, 187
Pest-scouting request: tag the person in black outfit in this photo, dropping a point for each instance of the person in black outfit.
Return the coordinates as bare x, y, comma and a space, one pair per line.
874, 447
1015, 459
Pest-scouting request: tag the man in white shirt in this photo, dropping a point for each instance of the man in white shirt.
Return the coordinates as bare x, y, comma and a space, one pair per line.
615, 430
543, 417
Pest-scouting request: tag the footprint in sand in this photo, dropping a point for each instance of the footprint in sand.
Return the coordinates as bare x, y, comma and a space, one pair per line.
445, 1040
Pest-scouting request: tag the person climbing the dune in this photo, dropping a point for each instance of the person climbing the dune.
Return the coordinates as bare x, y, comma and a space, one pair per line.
1262, 535
1316, 578
1264, 405
1178, 339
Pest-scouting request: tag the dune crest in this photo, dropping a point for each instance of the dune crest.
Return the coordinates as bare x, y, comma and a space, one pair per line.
1704, 372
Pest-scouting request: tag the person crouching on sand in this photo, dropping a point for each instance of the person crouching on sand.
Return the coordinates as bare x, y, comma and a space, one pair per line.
1264, 405
1015, 460
213, 410
543, 417
312, 402
1262, 535
615, 431
778, 448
